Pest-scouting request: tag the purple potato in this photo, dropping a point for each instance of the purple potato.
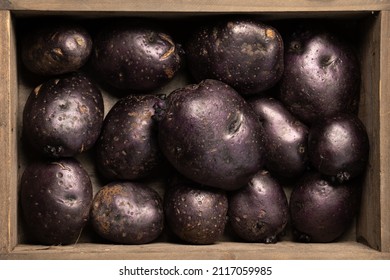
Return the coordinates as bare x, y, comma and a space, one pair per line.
135, 55
194, 213
127, 213
211, 135
244, 53
321, 211
339, 147
259, 212
56, 49
321, 75
63, 116
286, 137
127, 148
56, 197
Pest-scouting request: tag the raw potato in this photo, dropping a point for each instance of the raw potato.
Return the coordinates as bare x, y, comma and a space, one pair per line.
211, 135
195, 214
259, 211
128, 213
321, 211
127, 148
339, 147
56, 197
321, 76
56, 49
63, 116
135, 55
286, 137
243, 53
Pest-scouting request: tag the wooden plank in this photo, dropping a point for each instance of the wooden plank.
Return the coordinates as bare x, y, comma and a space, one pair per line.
198, 6
8, 149
221, 251
369, 224
385, 131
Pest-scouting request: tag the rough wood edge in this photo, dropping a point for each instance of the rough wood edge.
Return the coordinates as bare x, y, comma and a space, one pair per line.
198, 6
385, 130
8, 149
222, 251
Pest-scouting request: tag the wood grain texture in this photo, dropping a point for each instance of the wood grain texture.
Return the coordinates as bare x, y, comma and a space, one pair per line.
8, 149
385, 131
198, 5
220, 251
368, 224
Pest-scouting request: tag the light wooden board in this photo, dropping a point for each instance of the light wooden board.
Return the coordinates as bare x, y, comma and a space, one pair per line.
197, 6
8, 131
221, 251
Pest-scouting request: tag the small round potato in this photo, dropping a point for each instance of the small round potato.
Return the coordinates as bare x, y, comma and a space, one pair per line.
127, 213
56, 49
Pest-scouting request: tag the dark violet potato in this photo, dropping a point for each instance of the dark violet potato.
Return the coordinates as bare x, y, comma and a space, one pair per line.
63, 116
127, 148
195, 214
127, 213
56, 197
286, 137
211, 135
321, 75
320, 210
135, 55
259, 212
244, 53
339, 147
56, 49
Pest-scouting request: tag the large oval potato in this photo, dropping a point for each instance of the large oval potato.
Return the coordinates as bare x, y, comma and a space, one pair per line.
211, 135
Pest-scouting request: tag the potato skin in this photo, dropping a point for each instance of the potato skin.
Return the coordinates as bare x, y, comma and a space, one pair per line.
339, 147
135, 55
63, 116
259, 211
321, 76
244, 53
56, 49
56, 197
127, 148
211, 135
127, 213
195, 214
286, 137
321, 211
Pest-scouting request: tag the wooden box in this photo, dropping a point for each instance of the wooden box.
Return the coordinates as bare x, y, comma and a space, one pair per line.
370, 236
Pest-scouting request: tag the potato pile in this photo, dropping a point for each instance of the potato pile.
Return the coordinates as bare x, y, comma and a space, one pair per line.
264, 109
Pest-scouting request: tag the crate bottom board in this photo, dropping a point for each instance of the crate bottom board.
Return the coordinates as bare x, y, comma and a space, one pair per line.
222, 251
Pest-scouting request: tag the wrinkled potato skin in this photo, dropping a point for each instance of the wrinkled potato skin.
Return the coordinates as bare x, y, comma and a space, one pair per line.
56, 198
56, 49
